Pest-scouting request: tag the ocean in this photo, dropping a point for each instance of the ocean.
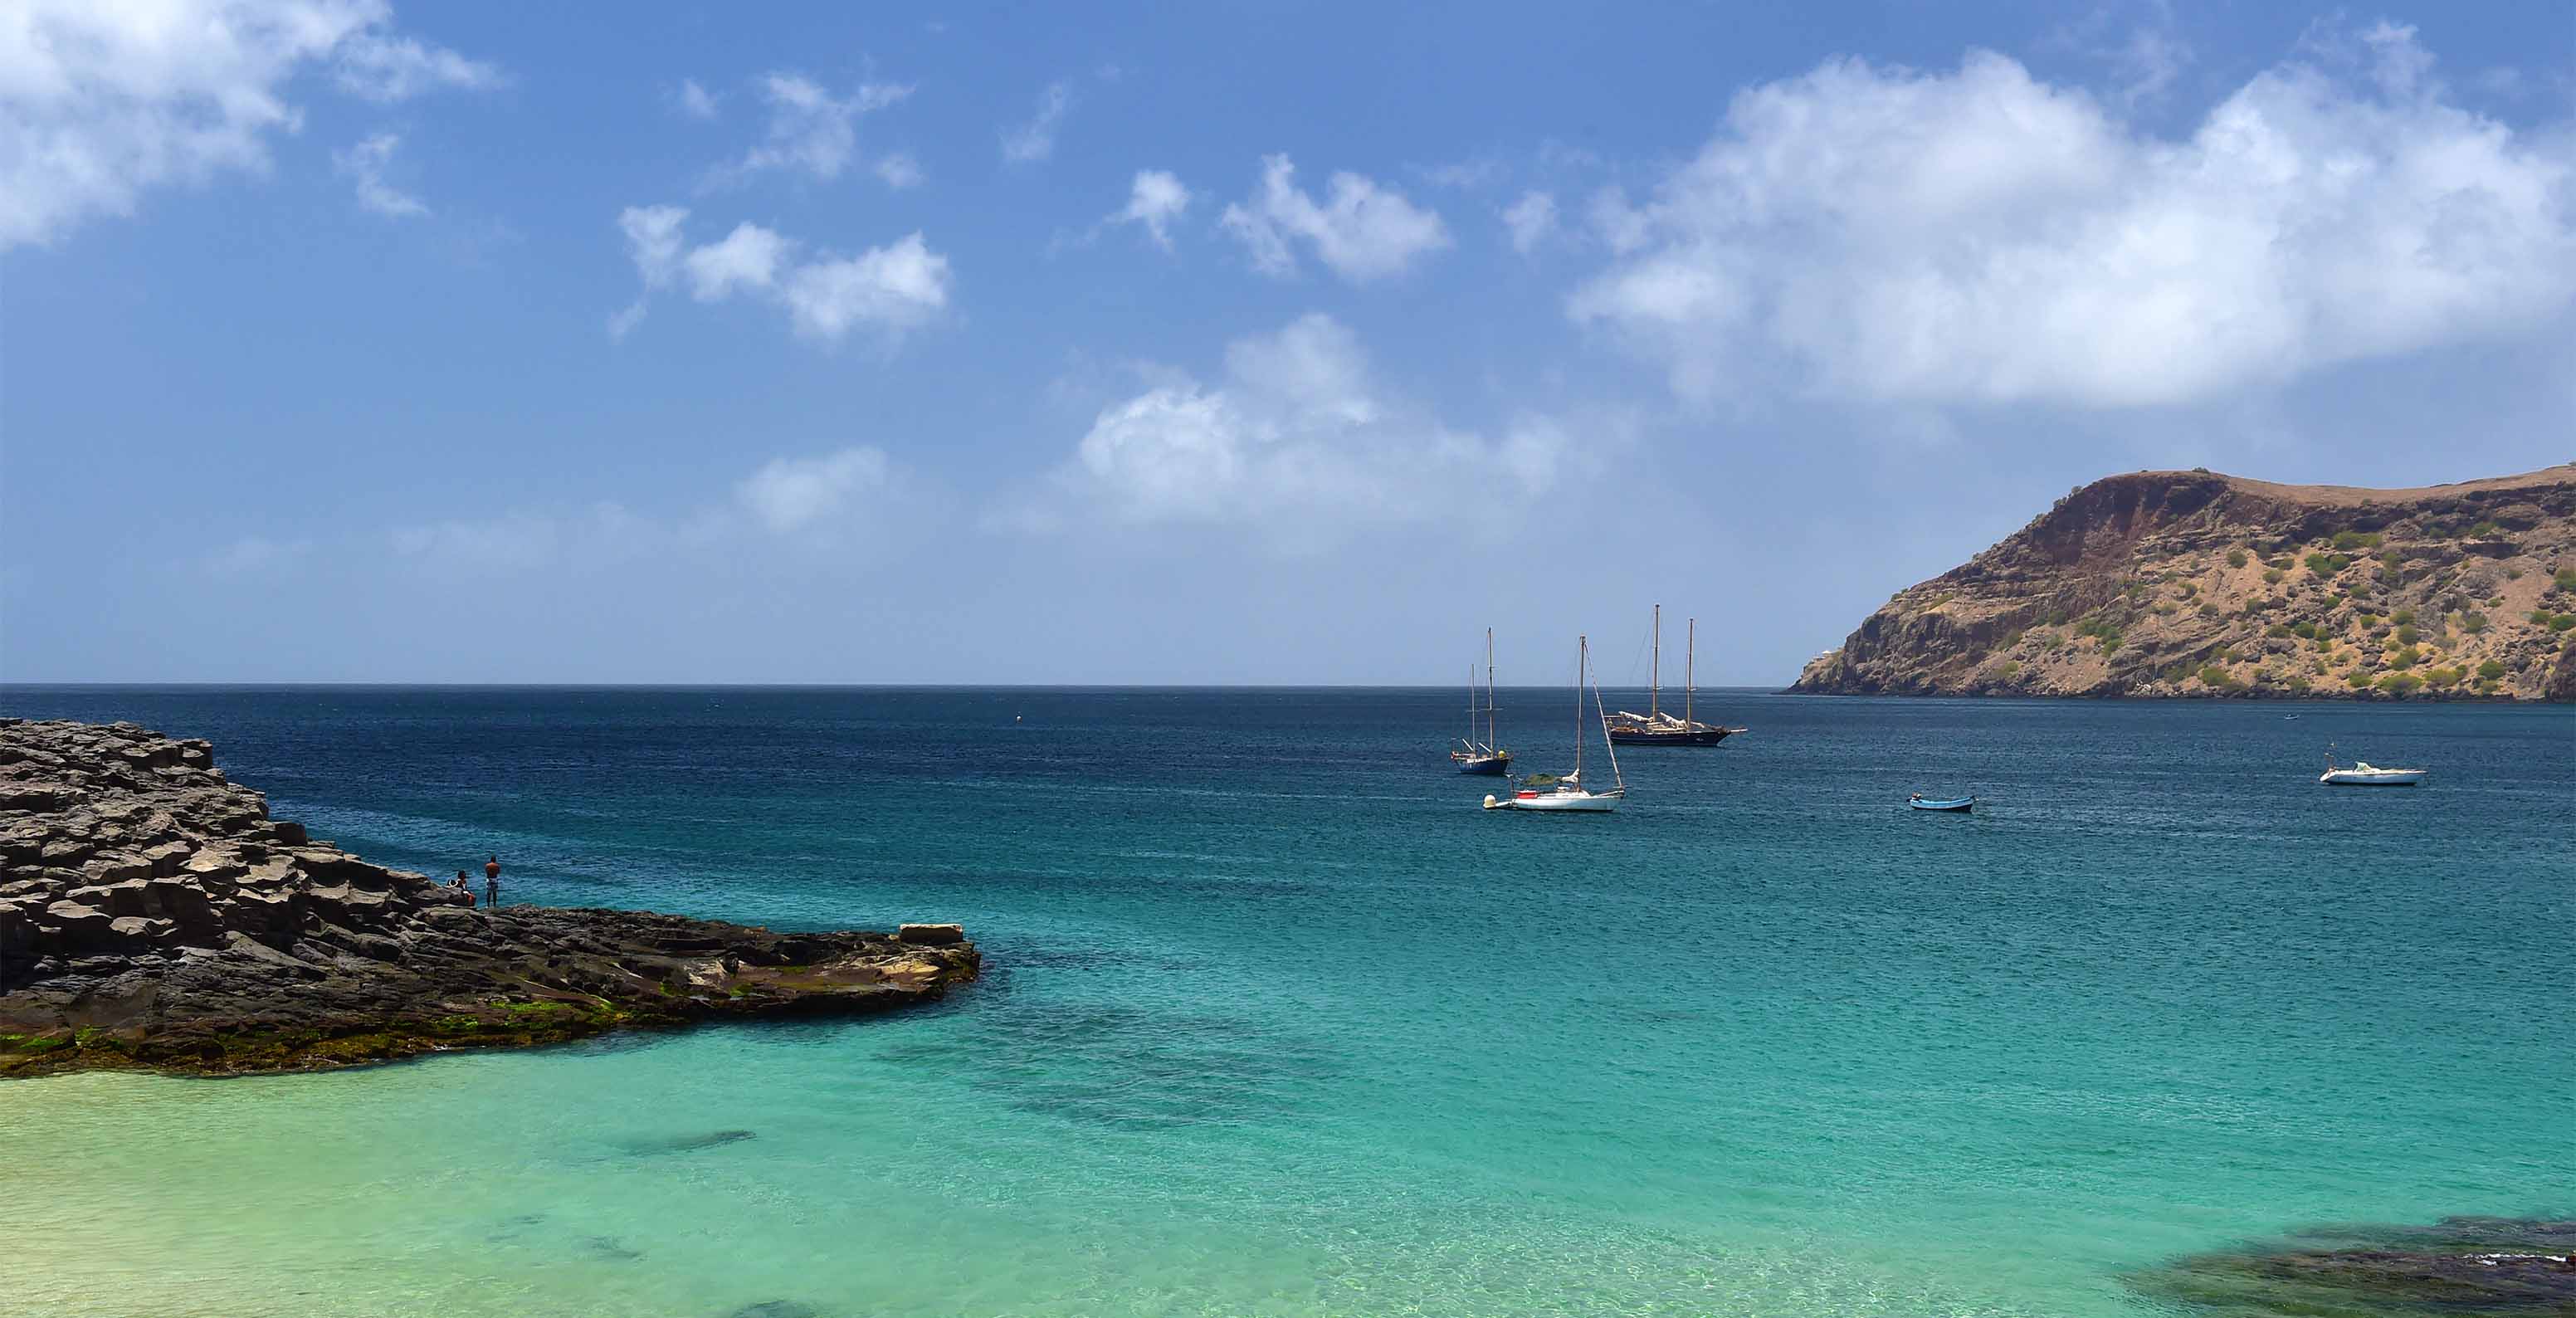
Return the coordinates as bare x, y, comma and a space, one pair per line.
1277, 1022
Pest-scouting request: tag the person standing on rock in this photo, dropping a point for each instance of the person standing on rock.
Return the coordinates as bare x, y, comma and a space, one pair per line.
492, 882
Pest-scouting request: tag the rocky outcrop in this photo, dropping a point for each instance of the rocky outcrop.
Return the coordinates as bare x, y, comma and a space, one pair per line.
2195, 584
153, 915
2460, 1266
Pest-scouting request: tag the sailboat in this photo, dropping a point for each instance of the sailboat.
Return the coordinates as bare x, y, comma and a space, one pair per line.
1568, 792
1482, 757
1657, 728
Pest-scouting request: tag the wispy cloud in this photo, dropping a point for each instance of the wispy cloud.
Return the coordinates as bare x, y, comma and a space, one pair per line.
884, 290
365, 162
1530, 220
695, 101
382, 67
789, 494
1362, 231
1035, 140
811, 131
100, 103
1155, 201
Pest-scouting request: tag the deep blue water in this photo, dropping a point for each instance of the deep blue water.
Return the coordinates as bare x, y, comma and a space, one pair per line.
1279, 1022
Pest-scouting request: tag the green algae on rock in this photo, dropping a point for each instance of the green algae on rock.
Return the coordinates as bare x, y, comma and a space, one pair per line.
152, 916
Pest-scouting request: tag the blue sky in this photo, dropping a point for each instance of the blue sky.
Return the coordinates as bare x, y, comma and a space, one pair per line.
1223, 343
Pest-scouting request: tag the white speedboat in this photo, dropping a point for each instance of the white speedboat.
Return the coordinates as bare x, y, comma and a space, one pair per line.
2362, 773
2365, 774
1541, 792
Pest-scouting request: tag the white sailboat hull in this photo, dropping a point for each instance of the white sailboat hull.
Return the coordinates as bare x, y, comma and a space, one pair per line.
1594, 803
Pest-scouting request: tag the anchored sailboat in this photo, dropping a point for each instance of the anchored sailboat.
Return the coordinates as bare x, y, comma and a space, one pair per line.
1483, 757
1657, 728
1540, 792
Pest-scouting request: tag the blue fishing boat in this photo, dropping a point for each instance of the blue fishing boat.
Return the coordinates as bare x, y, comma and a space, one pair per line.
1960, 805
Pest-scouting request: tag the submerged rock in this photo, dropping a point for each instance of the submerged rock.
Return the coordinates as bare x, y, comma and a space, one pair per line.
153, 915
2468, 1267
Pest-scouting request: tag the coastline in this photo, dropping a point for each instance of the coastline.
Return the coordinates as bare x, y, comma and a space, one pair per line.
154, 917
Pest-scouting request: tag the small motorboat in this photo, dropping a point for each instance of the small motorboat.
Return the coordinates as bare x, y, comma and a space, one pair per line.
2365, 774
1958, 806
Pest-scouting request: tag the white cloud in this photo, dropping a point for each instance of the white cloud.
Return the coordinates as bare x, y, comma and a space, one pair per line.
382, 67
253, 555
365, 162
1980, 237
1530, 220
100, 103
747, 258
811, 131
1299, 444
653, 240
1156, 201
1035, 140
899, 171
891, 289
1363, 231
789, 493
696, 101
888, 289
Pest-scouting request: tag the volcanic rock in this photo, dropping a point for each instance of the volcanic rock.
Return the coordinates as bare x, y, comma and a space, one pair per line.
153, 916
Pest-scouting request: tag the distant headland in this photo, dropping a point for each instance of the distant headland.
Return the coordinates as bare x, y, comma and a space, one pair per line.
2190, 583
153, 916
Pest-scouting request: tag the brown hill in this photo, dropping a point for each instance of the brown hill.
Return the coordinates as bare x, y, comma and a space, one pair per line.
2189, 583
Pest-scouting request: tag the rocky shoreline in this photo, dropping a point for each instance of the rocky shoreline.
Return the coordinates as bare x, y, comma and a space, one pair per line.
153, 916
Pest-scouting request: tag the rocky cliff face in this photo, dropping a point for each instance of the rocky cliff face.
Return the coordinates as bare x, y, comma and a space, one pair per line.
2194, 584
153, 915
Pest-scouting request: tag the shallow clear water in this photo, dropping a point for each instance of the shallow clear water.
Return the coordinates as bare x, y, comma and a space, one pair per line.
1277, 1022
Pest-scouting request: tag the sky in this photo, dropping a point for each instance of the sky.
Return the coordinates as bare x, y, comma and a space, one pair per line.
1221, 343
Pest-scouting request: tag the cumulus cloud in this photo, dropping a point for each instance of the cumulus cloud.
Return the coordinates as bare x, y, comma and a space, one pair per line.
1981, 237
1362, 231
1035, 140
100, 103
887, 290
811, 131
1298, 442
365, 163
791, 493
1155, 201
1531, 220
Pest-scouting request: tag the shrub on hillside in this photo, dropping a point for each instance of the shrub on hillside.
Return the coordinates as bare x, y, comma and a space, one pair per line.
2400, 684
2355, 540
2237, 558
2473, 622
2490, 671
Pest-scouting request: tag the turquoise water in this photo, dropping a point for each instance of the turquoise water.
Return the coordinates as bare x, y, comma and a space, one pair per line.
1277, 1022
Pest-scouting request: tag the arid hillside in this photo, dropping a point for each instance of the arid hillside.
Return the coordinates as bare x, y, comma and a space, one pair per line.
2189, 583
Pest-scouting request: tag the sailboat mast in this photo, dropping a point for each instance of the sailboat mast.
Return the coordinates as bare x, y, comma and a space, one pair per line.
1582, 660
1690, 670
1655, 669
1489, 688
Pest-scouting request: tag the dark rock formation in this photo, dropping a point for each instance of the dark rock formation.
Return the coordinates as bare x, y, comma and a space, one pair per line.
153, 915
2193, 584
2469, 1267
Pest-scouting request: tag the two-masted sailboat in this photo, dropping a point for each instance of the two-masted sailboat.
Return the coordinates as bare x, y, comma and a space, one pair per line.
1473, 756
1540, 792
1657, 728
